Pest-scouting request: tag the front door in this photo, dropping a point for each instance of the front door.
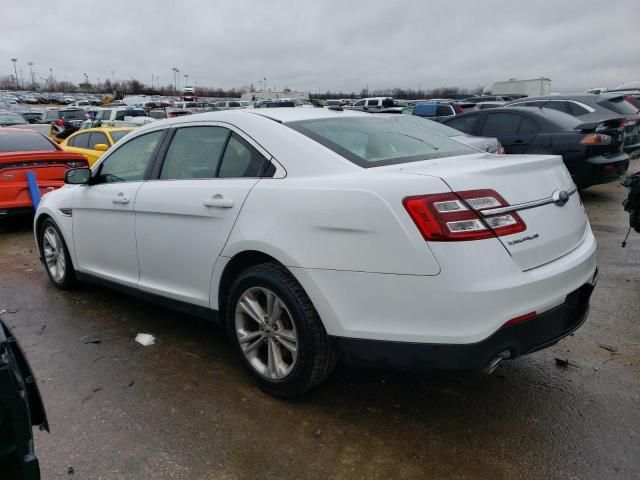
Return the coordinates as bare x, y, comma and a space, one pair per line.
103, 216
184, 217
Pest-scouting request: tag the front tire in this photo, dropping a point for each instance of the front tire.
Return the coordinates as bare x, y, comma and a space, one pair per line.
57, 261
276, 331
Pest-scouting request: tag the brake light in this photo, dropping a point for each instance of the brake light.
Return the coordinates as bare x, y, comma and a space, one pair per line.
456, 216
60, 122
596, 139
77, 164
520, 319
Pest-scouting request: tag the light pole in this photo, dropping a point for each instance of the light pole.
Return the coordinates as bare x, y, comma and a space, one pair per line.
175, 79
15, 69
86, 82
51, 78
186, 79
33, 80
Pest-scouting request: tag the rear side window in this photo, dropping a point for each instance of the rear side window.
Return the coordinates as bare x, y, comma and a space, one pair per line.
80, 141
444, 111
527, 126
194, 152
372, 103
371, 142
464, 124
240, 159
24, 142
501, 124
558, 105
576, 110
118, 134
620, 105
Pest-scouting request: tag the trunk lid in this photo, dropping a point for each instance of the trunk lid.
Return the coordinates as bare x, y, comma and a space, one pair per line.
552, 230
46, 165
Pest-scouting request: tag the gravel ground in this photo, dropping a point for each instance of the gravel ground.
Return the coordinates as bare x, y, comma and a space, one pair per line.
183, 408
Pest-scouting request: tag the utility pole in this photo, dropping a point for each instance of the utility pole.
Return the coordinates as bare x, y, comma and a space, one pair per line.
33, 80
15, 69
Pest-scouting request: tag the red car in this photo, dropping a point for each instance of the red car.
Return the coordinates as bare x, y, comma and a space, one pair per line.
23, 151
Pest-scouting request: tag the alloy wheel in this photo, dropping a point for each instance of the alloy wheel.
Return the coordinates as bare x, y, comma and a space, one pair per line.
54, 253
266, 333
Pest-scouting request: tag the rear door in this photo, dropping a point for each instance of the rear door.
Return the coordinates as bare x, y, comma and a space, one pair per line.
464, 123
184, 217
505, 126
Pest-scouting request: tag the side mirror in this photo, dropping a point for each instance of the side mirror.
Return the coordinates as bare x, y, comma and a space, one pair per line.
78, 176
101, 147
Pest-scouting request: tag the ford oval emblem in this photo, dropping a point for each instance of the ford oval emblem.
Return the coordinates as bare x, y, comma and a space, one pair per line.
560, 197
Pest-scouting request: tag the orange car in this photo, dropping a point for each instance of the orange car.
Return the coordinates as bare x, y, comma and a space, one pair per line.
23, 151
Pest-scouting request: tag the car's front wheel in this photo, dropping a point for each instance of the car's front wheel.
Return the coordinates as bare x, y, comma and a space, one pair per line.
277, 332
55, 254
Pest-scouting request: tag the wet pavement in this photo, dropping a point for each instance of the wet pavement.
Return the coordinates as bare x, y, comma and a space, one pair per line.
184, 409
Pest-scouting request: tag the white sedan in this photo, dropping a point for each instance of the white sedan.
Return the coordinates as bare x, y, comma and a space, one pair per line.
315, 235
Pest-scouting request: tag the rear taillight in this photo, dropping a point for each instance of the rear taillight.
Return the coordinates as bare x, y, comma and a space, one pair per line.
77, 164
60, 122
455, 216
596, 139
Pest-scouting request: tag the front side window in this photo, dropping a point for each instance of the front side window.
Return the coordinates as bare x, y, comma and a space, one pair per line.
372, 103
129, 162
371, 142
240, 159
195, 152
501, 124
118, 134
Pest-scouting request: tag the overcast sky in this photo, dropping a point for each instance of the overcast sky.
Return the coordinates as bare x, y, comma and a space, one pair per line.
327, 44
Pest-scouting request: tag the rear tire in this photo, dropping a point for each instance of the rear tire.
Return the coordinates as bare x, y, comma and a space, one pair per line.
276, 331
55, 255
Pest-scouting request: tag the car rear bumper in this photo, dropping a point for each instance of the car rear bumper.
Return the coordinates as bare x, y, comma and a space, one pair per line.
532, 335
602, 169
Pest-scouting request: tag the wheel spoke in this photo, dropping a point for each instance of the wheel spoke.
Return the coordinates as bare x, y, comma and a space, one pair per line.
288, 343
249, 336
51, 239
253, 309
254, 345
276, 313
271, 362
280, 367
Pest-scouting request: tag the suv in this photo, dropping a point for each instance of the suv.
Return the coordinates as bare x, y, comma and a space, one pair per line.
433, 110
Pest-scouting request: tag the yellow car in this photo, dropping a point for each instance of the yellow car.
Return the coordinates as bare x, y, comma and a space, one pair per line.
93, 142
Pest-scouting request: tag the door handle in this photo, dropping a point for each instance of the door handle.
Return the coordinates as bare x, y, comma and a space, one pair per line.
121, 198
218, 201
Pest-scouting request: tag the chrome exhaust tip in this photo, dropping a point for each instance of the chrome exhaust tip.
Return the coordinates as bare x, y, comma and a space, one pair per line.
493, 364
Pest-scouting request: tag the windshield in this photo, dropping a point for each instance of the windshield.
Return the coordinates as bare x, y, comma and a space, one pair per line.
8, 118
371, 142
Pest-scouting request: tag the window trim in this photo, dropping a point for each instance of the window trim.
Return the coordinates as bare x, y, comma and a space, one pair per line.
154, 174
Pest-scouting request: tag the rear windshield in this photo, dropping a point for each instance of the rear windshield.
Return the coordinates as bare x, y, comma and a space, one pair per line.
372, 142
24, 142
620, 105
9, 118
118, 134
72, 114
435, 127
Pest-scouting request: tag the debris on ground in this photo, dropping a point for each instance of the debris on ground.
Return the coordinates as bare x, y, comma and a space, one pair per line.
609, 348
131, 383
145, 339
564, 363
70, 470
91, 339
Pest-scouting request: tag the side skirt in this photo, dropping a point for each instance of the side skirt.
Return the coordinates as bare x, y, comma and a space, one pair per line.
177, 305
